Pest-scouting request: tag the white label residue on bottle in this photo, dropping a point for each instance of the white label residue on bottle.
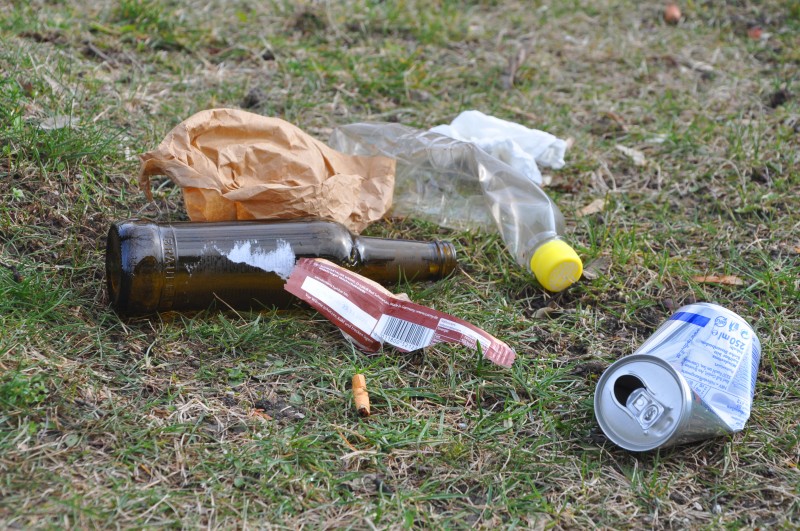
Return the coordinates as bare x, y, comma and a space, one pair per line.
280, 260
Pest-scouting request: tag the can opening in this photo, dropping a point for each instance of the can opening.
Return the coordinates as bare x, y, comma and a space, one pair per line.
624, 386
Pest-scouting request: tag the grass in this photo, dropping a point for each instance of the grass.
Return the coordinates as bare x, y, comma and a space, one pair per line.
225, 420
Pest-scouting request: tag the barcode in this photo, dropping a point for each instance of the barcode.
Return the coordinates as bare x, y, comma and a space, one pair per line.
403, 334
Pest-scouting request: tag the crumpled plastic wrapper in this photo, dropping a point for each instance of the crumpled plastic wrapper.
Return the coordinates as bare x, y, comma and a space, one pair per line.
521, 148
232, 164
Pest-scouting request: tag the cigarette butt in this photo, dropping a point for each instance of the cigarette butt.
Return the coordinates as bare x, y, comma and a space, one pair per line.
360, 396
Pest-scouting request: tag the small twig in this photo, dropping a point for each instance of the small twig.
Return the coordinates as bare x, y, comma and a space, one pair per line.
14, 272
97, 52
231, 308
514, 62
353, 448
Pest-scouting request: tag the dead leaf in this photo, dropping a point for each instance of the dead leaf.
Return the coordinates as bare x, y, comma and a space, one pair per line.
59, 121
546, 312
593, 208
697, 66
260, 414
526, 114
619, 120
634, 154
596, 267
755, 33
728, 280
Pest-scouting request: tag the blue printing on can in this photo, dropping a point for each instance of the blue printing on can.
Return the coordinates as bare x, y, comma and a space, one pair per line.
693, 318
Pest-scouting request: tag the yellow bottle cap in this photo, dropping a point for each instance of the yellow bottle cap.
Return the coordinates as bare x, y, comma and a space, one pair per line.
556, 265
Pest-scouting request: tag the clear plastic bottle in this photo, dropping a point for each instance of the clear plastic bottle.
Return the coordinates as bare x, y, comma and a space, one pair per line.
457, 185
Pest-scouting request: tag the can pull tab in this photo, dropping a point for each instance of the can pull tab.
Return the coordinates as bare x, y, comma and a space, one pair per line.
644, 407
637, 401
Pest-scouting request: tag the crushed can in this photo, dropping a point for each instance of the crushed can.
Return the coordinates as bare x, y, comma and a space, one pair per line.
693, 379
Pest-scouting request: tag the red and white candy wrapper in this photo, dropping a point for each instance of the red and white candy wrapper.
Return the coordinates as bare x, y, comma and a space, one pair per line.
371, 315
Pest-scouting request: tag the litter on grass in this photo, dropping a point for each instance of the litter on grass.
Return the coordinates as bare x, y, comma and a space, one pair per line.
360, 395
234, 165
457, 184
693, 379
370, 315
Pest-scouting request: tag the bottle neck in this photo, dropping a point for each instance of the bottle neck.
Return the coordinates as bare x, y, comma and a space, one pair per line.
389, 261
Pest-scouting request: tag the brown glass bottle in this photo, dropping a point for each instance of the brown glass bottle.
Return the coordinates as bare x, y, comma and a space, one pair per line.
153, 267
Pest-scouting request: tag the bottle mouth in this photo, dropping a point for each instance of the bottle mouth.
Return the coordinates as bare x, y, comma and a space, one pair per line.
447, 258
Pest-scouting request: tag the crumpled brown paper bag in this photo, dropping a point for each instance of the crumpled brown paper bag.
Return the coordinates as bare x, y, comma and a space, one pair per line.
232, 164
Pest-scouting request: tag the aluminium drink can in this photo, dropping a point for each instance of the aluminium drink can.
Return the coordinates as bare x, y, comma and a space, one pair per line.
693, 379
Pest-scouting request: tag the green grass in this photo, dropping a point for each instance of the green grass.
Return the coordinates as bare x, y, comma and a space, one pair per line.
227, 420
